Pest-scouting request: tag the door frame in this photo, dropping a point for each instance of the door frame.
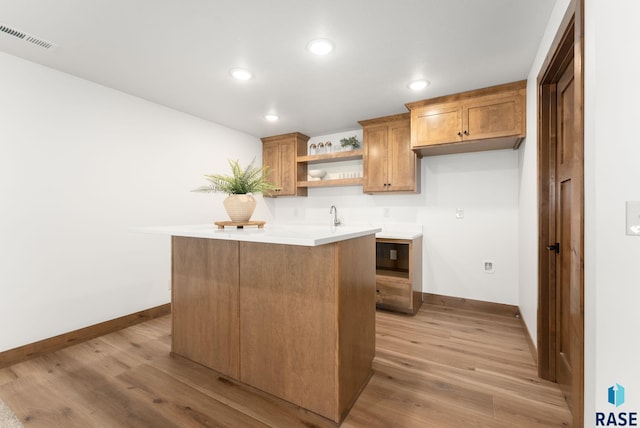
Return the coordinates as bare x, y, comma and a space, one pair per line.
568, 44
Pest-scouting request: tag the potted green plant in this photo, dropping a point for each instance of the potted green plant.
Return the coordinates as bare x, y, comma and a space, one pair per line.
239, 186
350, 143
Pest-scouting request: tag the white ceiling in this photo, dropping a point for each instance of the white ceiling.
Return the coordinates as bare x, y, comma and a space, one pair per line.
178, 53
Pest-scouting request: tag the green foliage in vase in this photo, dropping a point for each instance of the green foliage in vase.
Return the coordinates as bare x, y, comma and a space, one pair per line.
351, 141
251, 179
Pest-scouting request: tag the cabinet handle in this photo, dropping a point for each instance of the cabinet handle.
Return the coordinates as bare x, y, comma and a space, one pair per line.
555, 247
466, 132
459, 134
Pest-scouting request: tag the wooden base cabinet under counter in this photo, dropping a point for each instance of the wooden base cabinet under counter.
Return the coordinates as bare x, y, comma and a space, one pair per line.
294, 320
483, 119
399, 274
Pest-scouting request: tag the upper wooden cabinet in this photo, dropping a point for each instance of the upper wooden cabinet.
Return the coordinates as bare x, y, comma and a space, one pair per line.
389, 164
484, 119
280, 154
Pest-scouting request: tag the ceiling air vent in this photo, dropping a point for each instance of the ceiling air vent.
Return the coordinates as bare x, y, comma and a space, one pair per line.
14, 32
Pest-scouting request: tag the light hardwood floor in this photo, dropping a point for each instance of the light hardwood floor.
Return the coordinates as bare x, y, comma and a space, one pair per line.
445, 367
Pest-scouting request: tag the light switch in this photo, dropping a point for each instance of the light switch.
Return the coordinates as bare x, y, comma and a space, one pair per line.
459, 213
633, 218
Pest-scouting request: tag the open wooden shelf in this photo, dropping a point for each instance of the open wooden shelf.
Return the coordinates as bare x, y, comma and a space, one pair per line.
332, 183
392, 274
330, 157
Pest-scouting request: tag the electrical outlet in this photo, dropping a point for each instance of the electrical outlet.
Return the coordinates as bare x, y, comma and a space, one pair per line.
459, 213
393, 254
489, 266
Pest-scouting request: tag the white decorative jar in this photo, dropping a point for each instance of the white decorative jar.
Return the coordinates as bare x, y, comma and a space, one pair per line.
239, 207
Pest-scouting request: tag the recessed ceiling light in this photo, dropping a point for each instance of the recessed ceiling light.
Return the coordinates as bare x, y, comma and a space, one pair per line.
320, 46
418, 85
241, 73
271, 117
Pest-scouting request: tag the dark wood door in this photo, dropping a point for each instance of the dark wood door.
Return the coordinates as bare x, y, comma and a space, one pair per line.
561, 205
568, 203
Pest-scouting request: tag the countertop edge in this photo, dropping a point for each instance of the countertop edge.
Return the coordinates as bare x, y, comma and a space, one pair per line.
399, 235
316, 236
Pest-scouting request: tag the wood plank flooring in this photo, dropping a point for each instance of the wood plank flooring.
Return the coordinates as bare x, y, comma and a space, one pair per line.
445, 367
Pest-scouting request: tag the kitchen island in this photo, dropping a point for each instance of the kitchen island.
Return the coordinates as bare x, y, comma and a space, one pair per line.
287, 310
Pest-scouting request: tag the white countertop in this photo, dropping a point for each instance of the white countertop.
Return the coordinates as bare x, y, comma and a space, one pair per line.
398, 235
407, 231
306, 235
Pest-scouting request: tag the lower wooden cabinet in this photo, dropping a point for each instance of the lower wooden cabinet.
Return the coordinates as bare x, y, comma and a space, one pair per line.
307, 330
205, 313
297, 322
393, 294
399, 274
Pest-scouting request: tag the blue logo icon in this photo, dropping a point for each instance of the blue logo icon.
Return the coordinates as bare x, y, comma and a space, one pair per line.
616, 395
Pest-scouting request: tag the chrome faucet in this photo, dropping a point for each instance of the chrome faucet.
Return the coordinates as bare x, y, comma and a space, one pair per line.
333, 210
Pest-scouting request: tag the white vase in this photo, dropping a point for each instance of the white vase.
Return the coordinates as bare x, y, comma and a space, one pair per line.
239, 207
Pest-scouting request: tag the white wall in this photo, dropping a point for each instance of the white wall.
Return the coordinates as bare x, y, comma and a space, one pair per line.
80, 165
612, 176
484, 184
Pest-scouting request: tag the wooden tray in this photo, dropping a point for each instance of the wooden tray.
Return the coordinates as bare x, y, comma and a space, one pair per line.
240, 224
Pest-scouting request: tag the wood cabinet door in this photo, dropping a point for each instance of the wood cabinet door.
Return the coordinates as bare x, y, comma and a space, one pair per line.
271, 158
436, 124
375, 159
205, 302
394, 295
287, 166
493, 116
288, 313
401, 165
280, 153
280, 157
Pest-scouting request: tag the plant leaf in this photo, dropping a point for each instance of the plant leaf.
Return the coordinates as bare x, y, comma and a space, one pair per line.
251, 179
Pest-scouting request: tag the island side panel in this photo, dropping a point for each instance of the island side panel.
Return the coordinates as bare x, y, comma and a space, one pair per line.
205, 305
288, 336
416, 272
356, 317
